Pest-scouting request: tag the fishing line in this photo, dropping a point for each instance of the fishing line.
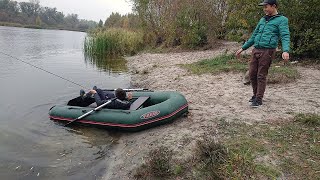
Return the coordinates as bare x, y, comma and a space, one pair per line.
43, 70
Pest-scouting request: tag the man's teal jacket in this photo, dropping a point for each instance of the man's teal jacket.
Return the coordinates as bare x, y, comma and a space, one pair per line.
267, 34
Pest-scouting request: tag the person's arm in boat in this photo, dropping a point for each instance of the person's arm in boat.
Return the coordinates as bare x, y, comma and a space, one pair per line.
98, 99
118, 104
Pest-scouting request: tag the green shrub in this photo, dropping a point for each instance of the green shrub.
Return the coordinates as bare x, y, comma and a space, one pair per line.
304, 26
302, 15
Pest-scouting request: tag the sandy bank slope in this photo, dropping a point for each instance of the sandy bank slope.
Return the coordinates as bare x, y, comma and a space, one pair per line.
211, 98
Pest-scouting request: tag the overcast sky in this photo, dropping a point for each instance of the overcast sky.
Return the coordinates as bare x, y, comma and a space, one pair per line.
89, 9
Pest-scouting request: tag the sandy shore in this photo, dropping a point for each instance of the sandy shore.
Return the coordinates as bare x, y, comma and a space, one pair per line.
211, 98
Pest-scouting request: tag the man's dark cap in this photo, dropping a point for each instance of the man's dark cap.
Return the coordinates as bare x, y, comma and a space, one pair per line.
270, 2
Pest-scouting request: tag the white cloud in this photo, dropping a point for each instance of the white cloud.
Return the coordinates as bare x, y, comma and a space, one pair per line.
89, 9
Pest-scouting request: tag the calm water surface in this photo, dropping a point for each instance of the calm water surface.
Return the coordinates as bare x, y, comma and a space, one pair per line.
32, 146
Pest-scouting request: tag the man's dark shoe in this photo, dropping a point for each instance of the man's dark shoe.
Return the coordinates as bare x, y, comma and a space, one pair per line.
95, 88
247, 83
252, 99
256, 103
82, 92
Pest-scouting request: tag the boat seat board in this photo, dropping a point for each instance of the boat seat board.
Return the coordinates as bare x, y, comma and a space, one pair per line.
139, 102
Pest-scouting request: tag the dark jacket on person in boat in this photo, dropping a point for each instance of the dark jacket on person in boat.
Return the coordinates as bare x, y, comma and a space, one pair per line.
121, 102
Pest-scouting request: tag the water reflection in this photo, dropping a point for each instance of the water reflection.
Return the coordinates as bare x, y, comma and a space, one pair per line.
108, 64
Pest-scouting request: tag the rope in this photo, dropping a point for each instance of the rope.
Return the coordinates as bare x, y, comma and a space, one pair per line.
43, 70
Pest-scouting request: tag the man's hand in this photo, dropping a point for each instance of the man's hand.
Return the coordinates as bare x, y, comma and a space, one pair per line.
93, 92
285, 57
129, 95
238, 53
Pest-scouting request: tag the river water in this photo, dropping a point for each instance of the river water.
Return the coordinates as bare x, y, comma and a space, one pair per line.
31, 145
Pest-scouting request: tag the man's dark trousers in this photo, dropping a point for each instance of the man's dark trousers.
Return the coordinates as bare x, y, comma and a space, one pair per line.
259, 67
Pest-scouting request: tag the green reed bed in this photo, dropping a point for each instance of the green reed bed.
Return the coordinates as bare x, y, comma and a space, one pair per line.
113, 42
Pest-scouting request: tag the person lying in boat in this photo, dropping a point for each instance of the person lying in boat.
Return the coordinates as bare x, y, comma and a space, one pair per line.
122, 100
105, 95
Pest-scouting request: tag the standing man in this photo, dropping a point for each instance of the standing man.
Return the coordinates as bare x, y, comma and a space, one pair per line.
265, 38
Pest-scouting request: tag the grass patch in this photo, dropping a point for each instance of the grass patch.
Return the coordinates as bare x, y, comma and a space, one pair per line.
113, 42
292, 146
210, 157
211, 160
158, 164
289, 150
222, 63
309, 119
228, 63
268, 171
282, 74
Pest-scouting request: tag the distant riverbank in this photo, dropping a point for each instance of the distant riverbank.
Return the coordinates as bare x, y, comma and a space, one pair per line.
9, 24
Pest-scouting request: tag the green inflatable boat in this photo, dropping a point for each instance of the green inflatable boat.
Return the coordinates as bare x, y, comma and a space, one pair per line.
148, 109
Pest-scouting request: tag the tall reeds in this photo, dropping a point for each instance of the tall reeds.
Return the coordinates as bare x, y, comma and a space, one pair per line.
113, 42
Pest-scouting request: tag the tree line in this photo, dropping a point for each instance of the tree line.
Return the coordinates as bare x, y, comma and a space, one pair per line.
130, 21
196, 23
33, 14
